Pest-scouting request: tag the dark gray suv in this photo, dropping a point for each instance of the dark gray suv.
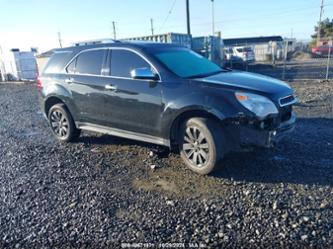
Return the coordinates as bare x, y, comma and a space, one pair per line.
163, 94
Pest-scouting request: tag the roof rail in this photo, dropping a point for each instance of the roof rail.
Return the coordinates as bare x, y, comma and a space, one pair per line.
93, 42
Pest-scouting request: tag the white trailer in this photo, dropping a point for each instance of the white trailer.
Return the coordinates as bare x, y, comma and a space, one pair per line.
20, 65
26, 65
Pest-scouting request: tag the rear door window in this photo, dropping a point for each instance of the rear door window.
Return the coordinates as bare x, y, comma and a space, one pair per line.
124, 61
90, 62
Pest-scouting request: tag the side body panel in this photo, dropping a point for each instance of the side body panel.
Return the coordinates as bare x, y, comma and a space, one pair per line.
134, 105
89, 97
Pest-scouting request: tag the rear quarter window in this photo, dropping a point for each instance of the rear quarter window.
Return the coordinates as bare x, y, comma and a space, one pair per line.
57, 62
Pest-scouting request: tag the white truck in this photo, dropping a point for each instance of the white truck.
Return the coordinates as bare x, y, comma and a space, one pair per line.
239, 54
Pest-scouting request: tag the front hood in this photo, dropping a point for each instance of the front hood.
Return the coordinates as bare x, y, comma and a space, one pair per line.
248, 81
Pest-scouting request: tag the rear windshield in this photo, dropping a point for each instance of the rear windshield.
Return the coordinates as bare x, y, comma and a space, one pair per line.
186, 63
58, 61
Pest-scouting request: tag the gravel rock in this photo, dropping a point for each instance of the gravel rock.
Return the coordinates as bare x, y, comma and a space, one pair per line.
304, 237
100, 192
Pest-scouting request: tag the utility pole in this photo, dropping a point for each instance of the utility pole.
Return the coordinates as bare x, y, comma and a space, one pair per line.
330, 45
213, 18
319, 25
188, 17
152, 26
114, 30
285, 60
59, 39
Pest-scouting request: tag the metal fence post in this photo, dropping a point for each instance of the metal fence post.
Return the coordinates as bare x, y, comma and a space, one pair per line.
285, 60
328, 59
273, 46
246, 61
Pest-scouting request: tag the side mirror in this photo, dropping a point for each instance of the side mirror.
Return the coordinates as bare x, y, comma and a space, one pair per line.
143, 74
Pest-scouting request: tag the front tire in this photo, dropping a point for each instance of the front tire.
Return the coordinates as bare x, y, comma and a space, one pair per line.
62, 123
200, 144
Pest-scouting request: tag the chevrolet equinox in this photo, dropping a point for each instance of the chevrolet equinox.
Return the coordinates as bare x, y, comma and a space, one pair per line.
163, 94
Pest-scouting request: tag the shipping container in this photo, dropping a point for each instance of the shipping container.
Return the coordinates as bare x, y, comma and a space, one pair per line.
210, 47
181, 39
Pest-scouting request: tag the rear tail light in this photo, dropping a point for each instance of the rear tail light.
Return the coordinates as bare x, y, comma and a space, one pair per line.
39, 83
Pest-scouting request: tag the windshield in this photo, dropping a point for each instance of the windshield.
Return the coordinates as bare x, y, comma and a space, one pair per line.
186, 63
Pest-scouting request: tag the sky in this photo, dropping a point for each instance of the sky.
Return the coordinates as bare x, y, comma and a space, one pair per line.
35, 23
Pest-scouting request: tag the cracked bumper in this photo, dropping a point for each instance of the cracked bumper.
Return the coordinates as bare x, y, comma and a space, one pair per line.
250, 136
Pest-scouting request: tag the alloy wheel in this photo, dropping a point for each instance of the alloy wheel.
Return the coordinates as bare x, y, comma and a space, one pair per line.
195, 146
59, 123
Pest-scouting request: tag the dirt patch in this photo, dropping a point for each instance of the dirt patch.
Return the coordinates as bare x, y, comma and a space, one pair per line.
300, 56
182, 183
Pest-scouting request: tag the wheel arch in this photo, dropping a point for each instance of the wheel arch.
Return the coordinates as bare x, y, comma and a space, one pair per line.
54, 93
51, 101
186, 114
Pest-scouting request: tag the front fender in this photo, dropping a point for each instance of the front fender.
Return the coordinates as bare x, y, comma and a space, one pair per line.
212, 104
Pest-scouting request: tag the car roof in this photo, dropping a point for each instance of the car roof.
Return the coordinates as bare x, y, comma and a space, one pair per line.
126, 44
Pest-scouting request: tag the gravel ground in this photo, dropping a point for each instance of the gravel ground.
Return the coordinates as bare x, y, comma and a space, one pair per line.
103, 191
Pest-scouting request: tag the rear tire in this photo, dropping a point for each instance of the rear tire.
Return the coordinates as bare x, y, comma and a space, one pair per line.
200, 144
62, 123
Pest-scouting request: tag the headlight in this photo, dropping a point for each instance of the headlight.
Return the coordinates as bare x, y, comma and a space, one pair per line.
259, 105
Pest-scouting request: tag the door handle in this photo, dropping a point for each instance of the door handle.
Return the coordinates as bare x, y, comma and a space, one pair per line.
69, 81
110, 87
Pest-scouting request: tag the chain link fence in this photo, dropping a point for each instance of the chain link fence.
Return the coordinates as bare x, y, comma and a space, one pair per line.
288, 60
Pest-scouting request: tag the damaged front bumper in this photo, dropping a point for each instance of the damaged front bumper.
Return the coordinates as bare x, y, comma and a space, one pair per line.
251, 132
254, 136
